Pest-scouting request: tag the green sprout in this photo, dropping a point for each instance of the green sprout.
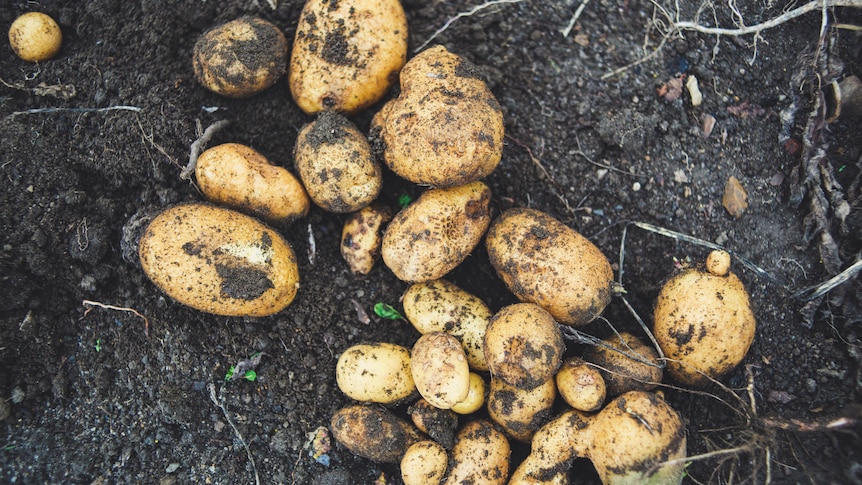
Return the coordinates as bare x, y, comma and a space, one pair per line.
404, 200
249, 375
387, 311
98, 345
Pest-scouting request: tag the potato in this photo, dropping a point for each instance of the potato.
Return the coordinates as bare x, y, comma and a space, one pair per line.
580, 385
523, 345
239, 177
334, 162
621, 372
378, 372
704, 324
480, 456
219, 261
424, 463
440, 369
475, 396
521, 412
440, 424
440, 306
361, 238
543, 261
373, 432
552, 451
35, 37
240, 58
346, 55
445, 128
434, 234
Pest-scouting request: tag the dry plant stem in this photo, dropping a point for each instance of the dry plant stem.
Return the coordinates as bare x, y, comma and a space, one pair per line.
89, 303
75, 110
468, 13
566, 31
198, 145
656, 346
220, 403
813, 292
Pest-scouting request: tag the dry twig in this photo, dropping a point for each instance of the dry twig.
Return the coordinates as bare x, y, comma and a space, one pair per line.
89, 303
198, 146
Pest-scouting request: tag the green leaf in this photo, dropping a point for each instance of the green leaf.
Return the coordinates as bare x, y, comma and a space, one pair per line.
404, 200
250, 376
387, 311
229, 374
98, 345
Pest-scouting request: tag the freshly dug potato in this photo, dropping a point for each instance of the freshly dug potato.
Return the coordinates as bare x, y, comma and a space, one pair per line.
440, 306
475, 396
424, 463
240, 177
361, 238
219, 261
521, 412
346, 55
703, 323
240, 58
436, 233
622, 373
378, 372
35, 37
373, 432
440, 369
334, 161
480, 456
581, 385
446, 127
523, 346
543, 261
553, 449
440, 424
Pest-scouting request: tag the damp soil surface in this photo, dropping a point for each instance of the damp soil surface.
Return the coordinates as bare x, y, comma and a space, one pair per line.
105, 379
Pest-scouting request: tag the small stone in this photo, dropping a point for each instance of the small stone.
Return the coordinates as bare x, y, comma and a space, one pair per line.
172, 468
18, 395
735, 199
680, 177
636, 187
694, 91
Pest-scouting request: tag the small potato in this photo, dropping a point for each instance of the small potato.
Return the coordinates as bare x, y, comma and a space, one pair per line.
580, 385
622, 373
377, 372
219, 261
521, 412
446, 127
440, 306
480, 456
239, 177
424, 463
346, 55
543, 261
440, 369
554, 446
437, 232
523, 346
475, 397
361, 238
334, 161
440, 424
35, 37
373, 432
240, 58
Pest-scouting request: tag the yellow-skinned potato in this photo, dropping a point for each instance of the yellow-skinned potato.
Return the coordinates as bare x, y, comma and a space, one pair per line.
543, 261
240, 58
440, 369
424, 463
378, 372
475, 396
373, 432
440, 306
480, 455
622, 373
446, 127
703, 323
346, 55
219, 261
35, 37
521, 412
581, 385
434, 234
240, 177
553, 449
361, 237
334, 161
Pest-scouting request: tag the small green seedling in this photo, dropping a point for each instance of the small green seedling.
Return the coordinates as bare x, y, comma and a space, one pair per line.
244, 368
98, 345
387, 311
404, 200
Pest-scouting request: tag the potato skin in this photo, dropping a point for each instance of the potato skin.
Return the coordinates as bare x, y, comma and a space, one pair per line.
440, 369
581, 385
373, 432
424, 463
378, 372
334, 161
480, 455
219, 261
434, 234
622, 373
543, 261
240, 58
238, 176
35, 37
446, 127
361, 238
346, 55
521, 412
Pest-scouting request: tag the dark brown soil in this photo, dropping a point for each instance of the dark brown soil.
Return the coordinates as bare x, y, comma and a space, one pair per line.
97, 137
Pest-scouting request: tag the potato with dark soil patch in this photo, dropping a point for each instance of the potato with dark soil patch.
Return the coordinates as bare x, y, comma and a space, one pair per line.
373, 432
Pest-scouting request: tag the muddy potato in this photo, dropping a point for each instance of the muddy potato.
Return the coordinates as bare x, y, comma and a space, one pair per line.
521, 412
581, 385
240, 58
480, 456
373, 432
240, 177
446, 127
346, 55
440, 306
703, 323
424, 463
475, 396
440, 369
543, 261
219, 261
361, 238
621, 372
35, 37
378, 372
439, 424
334, 161
523, 345
437, 232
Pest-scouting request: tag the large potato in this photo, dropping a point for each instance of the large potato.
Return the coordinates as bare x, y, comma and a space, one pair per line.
240, 177
446, 127
373, 432
378, 372
436, 233
480, 456
543, 261
346, 55
219, 261
334, 161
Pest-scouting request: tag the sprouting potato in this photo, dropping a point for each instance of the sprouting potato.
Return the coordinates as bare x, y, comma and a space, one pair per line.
35, 37
581, 385
440, 369
373, 432
424, 463
521, 412
622, 372
378, 372
361, 237
480, 455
